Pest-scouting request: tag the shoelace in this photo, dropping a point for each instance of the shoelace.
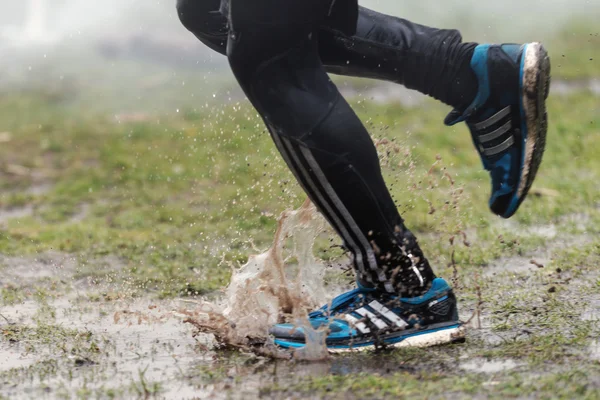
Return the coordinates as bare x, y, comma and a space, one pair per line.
345, 300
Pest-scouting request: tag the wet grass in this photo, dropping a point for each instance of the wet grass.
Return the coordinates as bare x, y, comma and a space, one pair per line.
444, 385
53, 338
179, 196
173, 202
159, 206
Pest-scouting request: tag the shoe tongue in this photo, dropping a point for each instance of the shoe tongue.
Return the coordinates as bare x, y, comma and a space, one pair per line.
348, 298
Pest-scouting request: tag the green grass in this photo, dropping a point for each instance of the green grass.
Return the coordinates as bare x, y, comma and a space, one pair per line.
178, 200
562, 385
175, 197
575, 50
80, 346
162, 208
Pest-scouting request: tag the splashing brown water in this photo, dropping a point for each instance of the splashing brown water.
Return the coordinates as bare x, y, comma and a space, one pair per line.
281, 284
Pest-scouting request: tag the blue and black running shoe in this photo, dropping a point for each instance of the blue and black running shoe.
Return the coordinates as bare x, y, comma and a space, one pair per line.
365, 319
508, 119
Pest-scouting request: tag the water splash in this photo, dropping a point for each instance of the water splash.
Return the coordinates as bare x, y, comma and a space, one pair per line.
281, 284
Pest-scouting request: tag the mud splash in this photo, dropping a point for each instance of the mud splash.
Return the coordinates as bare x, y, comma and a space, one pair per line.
282, 284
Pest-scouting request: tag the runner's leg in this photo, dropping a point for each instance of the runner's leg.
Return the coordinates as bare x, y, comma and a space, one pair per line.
273, 52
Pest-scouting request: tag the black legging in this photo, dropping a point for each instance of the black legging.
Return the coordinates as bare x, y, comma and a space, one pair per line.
433, 61
275, 49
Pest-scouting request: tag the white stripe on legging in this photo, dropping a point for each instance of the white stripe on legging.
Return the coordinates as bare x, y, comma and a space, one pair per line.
302, 175
345, 214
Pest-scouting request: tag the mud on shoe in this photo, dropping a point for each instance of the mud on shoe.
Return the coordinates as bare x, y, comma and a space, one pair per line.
507, 119
364, 319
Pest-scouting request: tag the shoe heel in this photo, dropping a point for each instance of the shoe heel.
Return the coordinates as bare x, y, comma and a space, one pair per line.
535, 88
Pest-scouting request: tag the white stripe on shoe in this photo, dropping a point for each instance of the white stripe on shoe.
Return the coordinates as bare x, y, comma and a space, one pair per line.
388, 314
379, 323
358, 324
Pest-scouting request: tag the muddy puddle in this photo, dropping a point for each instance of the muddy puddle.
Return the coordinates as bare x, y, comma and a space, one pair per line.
569, 232
139, 342
141, 348
67, 333
79, 337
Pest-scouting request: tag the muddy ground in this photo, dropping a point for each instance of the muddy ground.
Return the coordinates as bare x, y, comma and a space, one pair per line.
116, 216
532, 333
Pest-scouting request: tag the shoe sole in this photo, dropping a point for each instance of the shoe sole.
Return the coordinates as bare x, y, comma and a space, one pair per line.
535, 86
438, 338
452, 334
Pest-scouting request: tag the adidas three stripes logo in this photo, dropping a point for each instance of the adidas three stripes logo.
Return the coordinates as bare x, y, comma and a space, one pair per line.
379, 315
494, 135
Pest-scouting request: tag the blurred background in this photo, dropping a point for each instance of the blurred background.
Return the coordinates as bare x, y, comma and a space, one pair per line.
135, 54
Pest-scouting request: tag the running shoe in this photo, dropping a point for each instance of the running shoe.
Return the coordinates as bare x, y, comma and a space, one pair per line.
364, 319
508, 119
